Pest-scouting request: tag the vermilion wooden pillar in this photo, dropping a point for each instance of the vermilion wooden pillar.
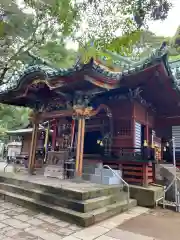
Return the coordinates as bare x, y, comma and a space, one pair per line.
81, 147
81, 114
78, 148
32, 154
54, 134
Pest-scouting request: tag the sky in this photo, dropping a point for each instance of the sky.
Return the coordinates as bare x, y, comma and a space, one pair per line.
166, 28
169, 26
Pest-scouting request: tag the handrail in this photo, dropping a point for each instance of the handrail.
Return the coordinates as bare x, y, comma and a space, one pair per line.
6, 166
117, 175
169, 186
175, 177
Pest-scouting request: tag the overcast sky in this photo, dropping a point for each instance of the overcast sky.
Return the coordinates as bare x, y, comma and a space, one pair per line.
169, 26
166, 28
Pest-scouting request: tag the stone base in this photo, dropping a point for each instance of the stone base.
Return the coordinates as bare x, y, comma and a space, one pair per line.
80, 202
165, 176
146, 197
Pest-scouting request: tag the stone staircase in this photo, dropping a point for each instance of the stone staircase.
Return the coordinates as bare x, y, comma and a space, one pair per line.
83, 207
165, 173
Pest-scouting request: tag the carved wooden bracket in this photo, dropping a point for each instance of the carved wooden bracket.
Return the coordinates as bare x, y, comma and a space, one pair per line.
87, 112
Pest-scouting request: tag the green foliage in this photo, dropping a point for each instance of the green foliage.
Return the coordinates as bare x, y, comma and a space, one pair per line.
175, 42
21, 31
59, 20
12, 118
57, 54
174, 58
126, 45
136, 46
46, 26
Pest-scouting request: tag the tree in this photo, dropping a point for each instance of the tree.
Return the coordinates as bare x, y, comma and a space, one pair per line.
175, 42
45, 27
15, 117
12, 117
131, 50
57, 54
57, 20
21, 32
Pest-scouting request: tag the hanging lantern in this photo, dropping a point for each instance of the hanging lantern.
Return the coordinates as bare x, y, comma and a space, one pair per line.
145, 143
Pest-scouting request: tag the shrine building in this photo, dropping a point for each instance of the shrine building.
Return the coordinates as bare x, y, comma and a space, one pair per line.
124, 117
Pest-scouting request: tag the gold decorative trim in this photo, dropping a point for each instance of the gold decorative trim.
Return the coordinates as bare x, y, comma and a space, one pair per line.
37, 81
101, 84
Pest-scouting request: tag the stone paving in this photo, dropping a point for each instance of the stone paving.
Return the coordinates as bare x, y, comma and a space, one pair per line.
18, 223
162, 224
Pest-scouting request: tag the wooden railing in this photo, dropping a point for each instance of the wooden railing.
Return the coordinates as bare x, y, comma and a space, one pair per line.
135, 154
137, 165
138, 173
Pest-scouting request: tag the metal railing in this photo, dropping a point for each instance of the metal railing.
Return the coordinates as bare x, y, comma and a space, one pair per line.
13, 162
6, 166
125, 183
69, 173
166, 188
9, 161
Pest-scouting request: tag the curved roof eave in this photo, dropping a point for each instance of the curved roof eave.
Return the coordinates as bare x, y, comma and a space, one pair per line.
48, 73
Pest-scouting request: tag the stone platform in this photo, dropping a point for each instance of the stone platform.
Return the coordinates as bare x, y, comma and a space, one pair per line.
146, 196
165, 173
83, 203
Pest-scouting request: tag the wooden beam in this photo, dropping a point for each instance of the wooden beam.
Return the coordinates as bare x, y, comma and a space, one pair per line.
55, 114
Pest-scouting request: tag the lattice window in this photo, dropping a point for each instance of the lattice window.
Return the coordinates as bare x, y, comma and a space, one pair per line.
122, 127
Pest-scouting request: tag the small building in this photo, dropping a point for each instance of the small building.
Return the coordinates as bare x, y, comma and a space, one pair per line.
21, 138
122, 117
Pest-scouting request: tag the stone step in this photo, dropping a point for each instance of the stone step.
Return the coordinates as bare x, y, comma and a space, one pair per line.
82, 219
77, 205
61, 191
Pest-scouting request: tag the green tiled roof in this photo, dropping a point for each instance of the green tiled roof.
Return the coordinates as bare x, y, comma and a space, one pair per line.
48, 72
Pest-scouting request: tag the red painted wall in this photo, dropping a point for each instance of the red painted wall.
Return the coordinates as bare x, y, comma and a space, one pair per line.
125, 113
144, 115
122, 112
